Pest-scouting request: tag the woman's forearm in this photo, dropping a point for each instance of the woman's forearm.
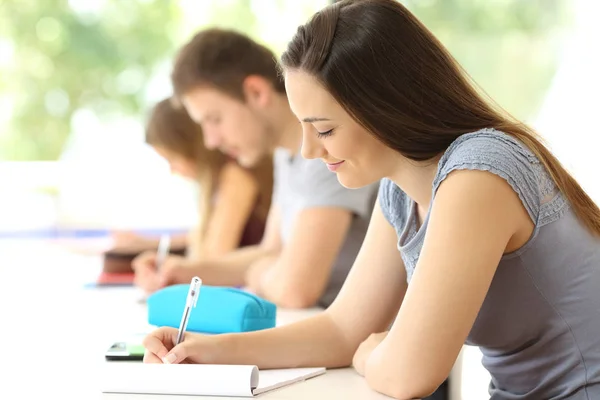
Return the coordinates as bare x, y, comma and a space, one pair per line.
178, 241
313, 342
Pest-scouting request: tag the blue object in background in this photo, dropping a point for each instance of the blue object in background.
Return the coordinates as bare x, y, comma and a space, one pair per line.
219, 310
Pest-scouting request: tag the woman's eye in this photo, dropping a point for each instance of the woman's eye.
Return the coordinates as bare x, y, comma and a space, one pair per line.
324, 134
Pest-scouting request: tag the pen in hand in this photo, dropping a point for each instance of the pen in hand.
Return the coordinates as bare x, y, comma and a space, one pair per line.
191, 301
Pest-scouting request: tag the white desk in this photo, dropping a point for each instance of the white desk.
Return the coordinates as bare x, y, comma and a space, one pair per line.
55, 332
342, 384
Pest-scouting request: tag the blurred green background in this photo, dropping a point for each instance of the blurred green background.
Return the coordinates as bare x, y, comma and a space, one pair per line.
60, 58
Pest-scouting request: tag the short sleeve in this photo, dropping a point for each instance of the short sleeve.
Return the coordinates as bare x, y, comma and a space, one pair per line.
500, 154
324, 190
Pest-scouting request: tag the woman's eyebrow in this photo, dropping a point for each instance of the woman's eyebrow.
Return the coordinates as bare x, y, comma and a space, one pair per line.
314, 119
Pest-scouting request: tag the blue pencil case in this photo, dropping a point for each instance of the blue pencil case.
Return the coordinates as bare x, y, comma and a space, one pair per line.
219, 310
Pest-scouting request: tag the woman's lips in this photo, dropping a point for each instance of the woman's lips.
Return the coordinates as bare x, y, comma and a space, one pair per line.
334, 166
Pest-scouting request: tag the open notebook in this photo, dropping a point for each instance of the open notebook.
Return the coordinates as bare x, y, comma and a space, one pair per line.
199, 379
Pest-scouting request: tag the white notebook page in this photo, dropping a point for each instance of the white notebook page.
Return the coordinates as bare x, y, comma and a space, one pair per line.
198, 379
276, 378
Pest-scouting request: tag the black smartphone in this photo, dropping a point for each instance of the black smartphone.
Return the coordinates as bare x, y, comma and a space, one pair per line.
125, 351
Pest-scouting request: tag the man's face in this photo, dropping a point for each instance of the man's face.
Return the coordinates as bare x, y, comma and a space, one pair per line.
228, 124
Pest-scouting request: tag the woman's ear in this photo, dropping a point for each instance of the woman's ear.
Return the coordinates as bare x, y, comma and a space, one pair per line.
257, 91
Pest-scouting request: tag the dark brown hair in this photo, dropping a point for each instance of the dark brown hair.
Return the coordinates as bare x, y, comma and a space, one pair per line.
393, 76
223, 59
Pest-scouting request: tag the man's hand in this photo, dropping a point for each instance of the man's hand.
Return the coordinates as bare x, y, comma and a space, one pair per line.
256, 273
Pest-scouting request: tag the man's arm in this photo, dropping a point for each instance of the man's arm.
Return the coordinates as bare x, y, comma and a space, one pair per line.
299, 276
325, 212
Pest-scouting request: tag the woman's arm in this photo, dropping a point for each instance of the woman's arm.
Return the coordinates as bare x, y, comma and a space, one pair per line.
132, 242
475, 217
237, 191
367, 303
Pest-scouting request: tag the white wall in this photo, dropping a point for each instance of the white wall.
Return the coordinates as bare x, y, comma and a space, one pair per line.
111, 179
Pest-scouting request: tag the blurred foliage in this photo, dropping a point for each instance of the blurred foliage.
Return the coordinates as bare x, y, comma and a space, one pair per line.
497, 17
59, 56
76, 54
271, 22
509, 47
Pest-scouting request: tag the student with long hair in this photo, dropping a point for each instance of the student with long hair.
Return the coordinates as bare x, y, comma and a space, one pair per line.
479, 235
234, 201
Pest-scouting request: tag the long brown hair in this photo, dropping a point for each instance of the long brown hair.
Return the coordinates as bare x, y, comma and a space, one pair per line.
171, 128
393, 76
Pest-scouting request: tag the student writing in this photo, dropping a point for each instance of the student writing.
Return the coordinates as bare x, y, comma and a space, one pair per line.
479, 235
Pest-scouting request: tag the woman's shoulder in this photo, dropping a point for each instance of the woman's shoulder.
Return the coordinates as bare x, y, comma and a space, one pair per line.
487, 146
501, 154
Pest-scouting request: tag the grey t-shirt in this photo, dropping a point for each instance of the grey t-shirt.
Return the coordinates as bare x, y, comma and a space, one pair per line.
539, 326
301, 184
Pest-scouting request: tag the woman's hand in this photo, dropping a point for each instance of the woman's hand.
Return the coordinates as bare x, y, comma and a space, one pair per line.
364, 351
194, 349
146, 274
175, 269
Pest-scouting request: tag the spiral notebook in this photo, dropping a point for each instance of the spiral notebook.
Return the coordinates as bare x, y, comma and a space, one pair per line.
199, 379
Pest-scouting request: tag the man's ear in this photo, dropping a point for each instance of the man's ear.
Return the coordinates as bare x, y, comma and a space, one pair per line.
257, 91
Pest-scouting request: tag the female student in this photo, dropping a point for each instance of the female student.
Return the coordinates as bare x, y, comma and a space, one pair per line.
234, 200
479, 235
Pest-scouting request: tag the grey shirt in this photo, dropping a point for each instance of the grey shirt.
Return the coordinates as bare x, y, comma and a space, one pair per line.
539, 326
301, 184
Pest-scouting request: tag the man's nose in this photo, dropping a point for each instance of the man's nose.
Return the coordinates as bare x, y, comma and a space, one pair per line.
212, 139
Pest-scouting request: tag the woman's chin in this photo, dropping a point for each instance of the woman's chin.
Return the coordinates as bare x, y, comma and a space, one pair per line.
353, 182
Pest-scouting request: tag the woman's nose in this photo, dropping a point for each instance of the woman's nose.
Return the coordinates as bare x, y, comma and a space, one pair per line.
311, 146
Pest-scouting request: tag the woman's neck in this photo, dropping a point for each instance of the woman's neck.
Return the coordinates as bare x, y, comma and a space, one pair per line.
415, 178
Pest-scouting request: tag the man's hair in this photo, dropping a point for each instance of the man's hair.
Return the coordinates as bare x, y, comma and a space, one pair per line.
223, 59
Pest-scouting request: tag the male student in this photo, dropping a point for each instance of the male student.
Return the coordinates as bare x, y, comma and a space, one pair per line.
230, 85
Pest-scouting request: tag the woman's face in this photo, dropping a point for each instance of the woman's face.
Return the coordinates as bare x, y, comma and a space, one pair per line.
331, 134
178, 164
